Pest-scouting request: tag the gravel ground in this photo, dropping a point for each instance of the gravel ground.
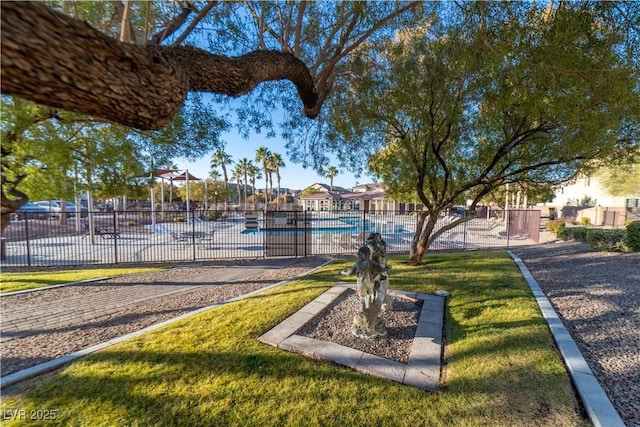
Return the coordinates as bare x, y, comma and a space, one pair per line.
334, 324
597, 296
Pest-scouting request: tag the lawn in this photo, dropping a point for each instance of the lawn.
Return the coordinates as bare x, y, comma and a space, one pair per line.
20, 281
501, 366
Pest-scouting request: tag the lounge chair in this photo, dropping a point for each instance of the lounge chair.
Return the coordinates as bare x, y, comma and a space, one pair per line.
105, 233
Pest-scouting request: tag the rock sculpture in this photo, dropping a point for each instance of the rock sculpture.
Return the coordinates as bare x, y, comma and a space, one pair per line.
372, 284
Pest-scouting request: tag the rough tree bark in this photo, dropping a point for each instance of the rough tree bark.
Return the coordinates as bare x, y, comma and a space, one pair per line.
56, 60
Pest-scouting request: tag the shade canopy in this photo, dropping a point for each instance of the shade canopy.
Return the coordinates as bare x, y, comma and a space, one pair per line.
174, 176
169, 174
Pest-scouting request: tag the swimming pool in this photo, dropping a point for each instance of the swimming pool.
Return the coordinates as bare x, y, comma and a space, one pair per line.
342, 225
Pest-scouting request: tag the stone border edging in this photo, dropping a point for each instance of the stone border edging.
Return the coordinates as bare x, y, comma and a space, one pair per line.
422, 370
596, 403
50, 365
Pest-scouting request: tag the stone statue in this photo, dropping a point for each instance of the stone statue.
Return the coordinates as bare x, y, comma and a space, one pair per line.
372, 284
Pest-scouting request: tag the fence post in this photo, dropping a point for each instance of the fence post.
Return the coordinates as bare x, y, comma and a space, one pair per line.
193, 232
364, 224
507, 222
464, 236
115, 237
26, 236
305, 233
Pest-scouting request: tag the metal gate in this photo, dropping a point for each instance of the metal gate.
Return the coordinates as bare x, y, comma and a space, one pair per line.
287, 234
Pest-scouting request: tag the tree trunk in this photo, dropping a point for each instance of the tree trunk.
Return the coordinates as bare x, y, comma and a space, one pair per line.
56, 60
422, 239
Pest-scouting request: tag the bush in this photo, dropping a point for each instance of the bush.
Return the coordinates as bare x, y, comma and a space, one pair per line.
214, 215
597, 238
555, 226
563, 233
585, 221
607, 240
633, 236
576, 233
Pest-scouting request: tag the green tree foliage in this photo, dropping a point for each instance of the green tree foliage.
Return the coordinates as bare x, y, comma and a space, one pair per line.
53, 153
623, 180
324, 35
500, 93
69, 152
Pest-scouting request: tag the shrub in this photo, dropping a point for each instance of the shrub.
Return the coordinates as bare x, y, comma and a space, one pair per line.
633, 236
555, 226
607, 240
563, 233
214, 215
577, 233
585, 221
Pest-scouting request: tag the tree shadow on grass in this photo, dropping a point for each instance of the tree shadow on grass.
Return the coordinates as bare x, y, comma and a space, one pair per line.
206, 387
180, 388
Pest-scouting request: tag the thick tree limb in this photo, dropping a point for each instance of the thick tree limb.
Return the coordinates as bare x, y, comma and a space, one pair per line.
56, 60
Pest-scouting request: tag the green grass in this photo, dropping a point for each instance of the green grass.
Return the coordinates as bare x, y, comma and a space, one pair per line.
501, 366
11, 282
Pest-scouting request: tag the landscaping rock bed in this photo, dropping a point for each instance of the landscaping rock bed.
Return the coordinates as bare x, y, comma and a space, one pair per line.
597, 296
334, 325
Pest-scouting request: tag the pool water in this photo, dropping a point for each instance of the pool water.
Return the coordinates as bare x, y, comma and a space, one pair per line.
343, 226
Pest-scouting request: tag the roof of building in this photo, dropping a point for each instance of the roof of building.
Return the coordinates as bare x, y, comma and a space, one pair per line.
345, 196
327, 188
368, 187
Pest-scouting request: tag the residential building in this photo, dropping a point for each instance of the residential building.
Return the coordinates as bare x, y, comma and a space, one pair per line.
369, 198
588, 198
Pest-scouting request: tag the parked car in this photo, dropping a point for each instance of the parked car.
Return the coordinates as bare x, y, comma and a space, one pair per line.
55, 207
31, 211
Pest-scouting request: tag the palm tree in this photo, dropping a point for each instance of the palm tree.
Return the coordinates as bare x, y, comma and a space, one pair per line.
262, 155
243, 166
275, 163
254, 173
222, 159
331, 173
236, 175
214, 175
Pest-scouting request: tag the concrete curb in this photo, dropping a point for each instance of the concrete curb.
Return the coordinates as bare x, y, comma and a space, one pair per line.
422, 369
50, 365
596, 403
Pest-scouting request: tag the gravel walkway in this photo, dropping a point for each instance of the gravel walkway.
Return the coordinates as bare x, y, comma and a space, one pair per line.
597, 296
81, 316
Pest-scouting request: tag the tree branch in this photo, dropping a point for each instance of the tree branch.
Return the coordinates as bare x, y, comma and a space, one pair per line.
262, 27
297, 48
205, 10
122, 14
172, 27
56, 60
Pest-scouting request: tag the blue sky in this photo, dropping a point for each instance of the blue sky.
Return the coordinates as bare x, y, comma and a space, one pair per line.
293, 175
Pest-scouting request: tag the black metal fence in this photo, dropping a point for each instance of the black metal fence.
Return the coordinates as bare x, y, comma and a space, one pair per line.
174, 236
